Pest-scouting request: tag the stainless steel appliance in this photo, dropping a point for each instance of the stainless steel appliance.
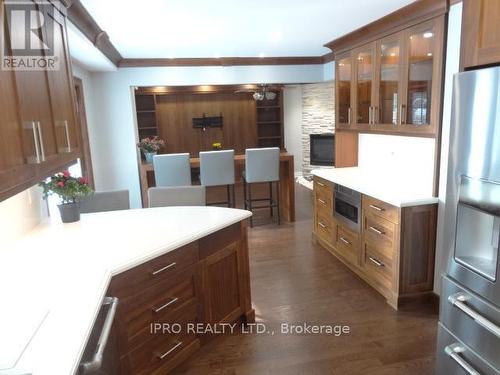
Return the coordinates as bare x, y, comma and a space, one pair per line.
347, 207
469, 329
101, 355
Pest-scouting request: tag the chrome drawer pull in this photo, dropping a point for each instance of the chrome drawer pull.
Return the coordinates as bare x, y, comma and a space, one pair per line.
162, 356
458, 300
320, 184
345, 241
171, 265
321, 201
40, 139
376, 208
32, 125
321, 225
454, 351
172, 301
96, 362
376, 230
377, 263
349, 116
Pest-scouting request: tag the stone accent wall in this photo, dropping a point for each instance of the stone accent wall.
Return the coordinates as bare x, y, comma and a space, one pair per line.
318, 115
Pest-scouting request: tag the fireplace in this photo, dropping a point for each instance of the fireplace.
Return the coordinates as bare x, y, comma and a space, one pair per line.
322, 150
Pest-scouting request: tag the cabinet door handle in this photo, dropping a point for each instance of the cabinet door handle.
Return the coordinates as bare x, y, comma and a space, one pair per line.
171, 265
375, 115
40, 138
345, 241
321, 225
402, 116
66, 149
369, 115
376, 207
31, 125
373, 229
96, 362
164, 355
454, 351
376, 262
162, 307
459, 300
320, 184
321, 201
349, 115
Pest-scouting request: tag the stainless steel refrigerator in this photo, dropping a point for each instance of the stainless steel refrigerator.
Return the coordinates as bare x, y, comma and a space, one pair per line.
469, 318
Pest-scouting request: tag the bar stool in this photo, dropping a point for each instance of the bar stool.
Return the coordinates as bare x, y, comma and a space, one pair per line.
262, 165
102, 201
172, 170
217, 169
176, 196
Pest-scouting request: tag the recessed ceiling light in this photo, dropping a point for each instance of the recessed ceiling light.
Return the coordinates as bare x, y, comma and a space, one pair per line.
393, 54
428, 35
262, 55
429, 54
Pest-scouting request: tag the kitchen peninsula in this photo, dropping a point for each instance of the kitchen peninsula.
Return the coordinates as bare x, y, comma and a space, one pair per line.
163, 264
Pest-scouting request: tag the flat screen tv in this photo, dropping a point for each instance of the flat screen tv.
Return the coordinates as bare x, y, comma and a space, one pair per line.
322, 149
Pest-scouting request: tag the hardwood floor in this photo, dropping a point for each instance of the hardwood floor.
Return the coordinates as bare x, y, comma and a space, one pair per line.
295, 281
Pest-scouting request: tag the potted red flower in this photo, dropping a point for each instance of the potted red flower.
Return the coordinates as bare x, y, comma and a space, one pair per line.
70, 189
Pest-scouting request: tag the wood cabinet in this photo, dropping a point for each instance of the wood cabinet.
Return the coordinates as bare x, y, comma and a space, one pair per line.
480, 45
393, 252
392, 84
38, 123
202, 284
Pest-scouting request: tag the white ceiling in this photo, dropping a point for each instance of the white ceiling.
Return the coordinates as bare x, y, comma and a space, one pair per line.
230, 28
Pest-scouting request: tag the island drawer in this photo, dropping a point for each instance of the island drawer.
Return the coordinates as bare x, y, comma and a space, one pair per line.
381, 209
380, 233
323, 187
162, 303
347, 244
377, 266
324, 228
170, 265
324, 206
165, 350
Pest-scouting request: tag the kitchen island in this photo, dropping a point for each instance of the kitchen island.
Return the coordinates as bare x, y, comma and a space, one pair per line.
54, 280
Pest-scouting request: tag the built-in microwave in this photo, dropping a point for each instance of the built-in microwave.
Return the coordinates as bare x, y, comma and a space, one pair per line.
347, 207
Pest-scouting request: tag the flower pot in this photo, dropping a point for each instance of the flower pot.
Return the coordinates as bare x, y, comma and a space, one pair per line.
70, 212
149, 156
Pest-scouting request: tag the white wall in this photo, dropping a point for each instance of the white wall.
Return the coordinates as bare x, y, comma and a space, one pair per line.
329, 71
21, 213
112, 131
292, 113
452, 67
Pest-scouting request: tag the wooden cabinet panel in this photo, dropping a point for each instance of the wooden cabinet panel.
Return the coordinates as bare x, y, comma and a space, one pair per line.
480, 43
347, 243
364, 58
381, 233
378, 267
343, 95
60, 83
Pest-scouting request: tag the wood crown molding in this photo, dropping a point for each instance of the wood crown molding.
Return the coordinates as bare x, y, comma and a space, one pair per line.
223, 61
415, 13
82, 19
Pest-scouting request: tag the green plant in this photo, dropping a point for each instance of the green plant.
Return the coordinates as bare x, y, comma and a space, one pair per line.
69, 188
217, 146
151, 144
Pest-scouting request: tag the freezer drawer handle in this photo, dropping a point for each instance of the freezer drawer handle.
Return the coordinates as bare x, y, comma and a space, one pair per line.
454, 351
96, 362
459, 300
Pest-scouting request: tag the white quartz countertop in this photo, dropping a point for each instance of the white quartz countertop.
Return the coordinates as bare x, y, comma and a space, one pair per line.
58, 275
398, 189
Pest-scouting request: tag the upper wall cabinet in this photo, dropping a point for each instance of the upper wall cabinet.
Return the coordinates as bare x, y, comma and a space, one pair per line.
480, 33
38, 131
389, 80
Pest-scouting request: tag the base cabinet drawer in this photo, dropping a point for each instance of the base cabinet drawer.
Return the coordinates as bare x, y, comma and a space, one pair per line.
378, 267
456, 358
379, 208
347, 244
380, 233
324, 228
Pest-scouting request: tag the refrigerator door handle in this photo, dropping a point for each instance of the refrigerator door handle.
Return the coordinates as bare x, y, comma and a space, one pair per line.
458, 300
454, 351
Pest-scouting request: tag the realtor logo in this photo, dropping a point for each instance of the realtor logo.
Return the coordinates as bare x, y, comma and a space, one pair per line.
28, 35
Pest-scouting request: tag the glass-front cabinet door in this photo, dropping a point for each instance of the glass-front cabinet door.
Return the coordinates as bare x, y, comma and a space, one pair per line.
424, 48
364, 62
389, 68
344, 83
